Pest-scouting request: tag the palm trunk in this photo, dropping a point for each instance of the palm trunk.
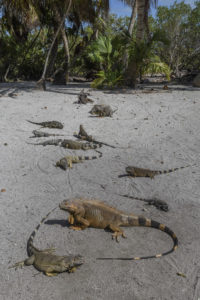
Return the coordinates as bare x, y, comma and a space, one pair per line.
41, 82
66, 46
130, 31
141, 5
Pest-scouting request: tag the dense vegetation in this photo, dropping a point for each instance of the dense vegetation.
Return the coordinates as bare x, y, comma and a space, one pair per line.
90, 42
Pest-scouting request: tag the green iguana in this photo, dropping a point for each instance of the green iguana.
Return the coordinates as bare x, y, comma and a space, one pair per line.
83, 98
159, 204
93, 213
49, 124
67, 161
139, 172
46, 262
102, 110
39, 134
82, 135
69, 144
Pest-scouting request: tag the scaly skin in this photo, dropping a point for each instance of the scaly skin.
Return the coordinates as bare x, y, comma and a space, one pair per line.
67, 161
93, 213
101, 110
37, 133
159, 204
49, 124
82, 135
139, 172
46, 262
83, 98
69, 144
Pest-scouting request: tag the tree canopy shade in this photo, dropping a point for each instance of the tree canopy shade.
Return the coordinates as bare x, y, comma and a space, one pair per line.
55, 39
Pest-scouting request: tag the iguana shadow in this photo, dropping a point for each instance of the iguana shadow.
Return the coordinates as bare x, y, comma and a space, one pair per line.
63, 223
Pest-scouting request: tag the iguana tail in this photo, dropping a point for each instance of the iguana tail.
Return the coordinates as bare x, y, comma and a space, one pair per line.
171, 170
142, 221
90, 157
30, 246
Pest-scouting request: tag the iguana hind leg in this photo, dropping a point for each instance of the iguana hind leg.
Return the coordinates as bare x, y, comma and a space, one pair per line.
117, 232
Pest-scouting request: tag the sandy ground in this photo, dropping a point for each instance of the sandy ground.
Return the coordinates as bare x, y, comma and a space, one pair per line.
157, 130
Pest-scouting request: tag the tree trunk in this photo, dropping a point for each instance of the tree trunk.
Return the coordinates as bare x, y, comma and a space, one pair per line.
52, 59
41, 82
130, 31
141, 5
66, 46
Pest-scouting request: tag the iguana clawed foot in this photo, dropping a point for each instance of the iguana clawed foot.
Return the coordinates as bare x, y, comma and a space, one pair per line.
17, 265
117, 234
75, 227
51, 274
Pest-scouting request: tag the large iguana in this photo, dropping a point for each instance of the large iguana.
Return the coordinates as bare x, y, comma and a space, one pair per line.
69, 144
139, 172
67, 161
82, 135
49, 124
97, 214
46, 262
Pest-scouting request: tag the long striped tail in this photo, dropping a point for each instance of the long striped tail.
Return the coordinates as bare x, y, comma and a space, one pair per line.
141, 221
30, 246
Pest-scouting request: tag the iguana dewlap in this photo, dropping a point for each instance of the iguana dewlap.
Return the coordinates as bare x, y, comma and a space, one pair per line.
93, 213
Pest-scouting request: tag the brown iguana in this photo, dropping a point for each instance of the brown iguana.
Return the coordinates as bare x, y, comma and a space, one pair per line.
82, 135
49, 124
102, 110
37, 133
97, 214
67, 161
69, 144
159, 204
46, 262
139, 172
83, 98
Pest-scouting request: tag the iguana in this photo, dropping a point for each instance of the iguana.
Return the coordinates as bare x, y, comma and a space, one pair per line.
46, 262
82, 135
159, 204
67, 161
97, 214
55, 142
49, 124
78, 145
37, 133
139, 172
69, 144
83, 98
102, 110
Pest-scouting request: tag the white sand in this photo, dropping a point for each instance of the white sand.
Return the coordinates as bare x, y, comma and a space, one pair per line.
156, 131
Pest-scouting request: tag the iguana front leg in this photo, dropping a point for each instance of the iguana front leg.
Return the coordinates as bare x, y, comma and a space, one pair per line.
71, 219
117, 232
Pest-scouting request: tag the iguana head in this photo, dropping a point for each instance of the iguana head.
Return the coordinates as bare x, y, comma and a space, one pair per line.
68, 206
75, 261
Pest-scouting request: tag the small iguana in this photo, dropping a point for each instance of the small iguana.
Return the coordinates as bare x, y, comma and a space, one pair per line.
67, 161
49, 124
139, 172
83, 98
39, 134
93, 213
102, 110
82, 135
69, 144
159, 204
46, 262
